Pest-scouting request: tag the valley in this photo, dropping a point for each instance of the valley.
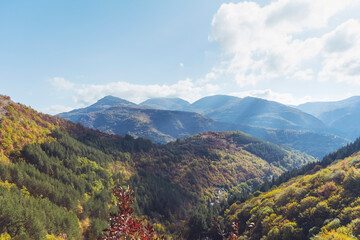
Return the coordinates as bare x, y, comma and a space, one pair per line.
52, 165
180, 120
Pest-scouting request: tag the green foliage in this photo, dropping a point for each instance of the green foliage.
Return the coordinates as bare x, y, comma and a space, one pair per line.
50, 165
290, 230
267, 151
354, 227
59, 173
115, 145
321, 205
29, 216
5, 236
158, 194
96, 228
341, 153
352, 181
23, 125
333, 234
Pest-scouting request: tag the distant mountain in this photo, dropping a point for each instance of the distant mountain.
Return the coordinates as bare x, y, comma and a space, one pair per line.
211, 103
166, 104
103, 103
163, 126
314, 143
158, 125
110, 101
343, 116
245, 111
259, 112
319, 108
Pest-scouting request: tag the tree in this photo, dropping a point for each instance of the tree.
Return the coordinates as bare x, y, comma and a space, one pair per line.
123, 225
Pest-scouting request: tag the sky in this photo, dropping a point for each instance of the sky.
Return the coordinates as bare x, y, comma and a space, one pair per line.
59, 55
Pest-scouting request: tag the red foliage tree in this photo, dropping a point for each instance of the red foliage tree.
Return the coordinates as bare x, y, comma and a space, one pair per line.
123, 225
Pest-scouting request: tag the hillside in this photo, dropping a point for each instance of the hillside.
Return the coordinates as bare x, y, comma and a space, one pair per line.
59, 175
323, 204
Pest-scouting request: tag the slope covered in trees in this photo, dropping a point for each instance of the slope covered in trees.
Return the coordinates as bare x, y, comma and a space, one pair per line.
322, 204
59, 175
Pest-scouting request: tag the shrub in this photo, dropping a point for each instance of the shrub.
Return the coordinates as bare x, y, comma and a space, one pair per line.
123, 225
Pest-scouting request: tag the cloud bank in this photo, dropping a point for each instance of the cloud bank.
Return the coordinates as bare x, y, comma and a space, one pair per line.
285, 42
85, 94
283, 38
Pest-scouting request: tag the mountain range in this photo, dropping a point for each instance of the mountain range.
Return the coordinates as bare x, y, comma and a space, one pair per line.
267, 120
56, 176
120, 117
59, 175
343, 116
338, 117
247, 111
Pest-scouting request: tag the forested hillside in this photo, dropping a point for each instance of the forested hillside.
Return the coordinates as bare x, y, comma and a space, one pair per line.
322, 204
56, 177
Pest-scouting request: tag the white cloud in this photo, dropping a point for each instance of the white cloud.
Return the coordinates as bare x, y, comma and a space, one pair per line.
61, 84
285, 98
279, 39
186, 89
207, 79
306, 75
285, 40
342, 54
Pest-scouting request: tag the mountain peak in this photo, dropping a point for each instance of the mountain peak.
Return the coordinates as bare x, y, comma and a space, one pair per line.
112, 101
166, 103
209, 103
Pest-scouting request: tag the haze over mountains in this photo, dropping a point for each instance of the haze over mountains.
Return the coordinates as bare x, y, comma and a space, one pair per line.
115, 116
166, 119
342, 116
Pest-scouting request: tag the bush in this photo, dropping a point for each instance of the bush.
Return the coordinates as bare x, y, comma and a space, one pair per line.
123, 225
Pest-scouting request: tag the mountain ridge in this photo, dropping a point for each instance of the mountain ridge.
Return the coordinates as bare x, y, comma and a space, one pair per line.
176, 104
341, 116
321, 204
168, 125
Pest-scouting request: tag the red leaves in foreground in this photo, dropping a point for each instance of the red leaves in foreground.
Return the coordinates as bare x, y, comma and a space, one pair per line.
123, 225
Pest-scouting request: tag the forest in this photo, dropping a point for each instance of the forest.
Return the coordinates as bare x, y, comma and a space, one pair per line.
57, 181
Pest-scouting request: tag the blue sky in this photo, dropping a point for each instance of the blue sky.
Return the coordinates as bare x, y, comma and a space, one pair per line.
59, 55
